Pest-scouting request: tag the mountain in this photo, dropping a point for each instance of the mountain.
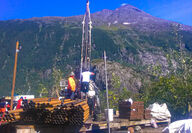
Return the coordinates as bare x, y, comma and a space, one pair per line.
130, 15
134, 41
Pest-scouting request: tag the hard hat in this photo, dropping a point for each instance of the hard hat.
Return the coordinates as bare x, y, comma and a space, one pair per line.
72, 74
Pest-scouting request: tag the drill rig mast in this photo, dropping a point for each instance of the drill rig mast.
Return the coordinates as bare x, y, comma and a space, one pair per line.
86, 58
86, 40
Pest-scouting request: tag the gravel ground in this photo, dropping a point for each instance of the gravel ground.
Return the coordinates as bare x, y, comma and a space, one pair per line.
144, 130
152, 130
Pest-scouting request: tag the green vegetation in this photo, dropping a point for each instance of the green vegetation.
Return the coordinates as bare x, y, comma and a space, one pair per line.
172, 90
51, 50
175, 88
115, 94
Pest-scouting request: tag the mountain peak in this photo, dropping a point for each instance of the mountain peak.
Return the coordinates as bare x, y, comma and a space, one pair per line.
126, 15
128, 7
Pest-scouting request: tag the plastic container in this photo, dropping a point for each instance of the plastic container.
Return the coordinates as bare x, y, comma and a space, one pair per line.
110, 114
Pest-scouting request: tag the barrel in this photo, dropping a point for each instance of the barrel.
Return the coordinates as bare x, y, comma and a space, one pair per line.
110, 111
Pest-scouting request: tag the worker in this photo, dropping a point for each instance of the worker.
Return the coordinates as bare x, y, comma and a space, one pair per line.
71, 86
19, 103
85, 81
3, 111
5, 107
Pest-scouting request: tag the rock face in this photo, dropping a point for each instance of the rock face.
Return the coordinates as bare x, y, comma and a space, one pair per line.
127, 77
126, 13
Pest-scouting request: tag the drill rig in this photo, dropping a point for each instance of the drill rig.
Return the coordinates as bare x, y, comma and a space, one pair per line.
86, 41
93, 102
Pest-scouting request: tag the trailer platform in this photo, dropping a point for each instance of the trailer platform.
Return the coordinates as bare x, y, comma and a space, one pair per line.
117, 124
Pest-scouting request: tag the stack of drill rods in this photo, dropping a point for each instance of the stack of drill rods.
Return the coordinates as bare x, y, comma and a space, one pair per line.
55, 112
69, 114
56, 102
40, 114
16, 114
78, 115
44, 104
54, 105
32, 104
60, 115
7, 118
28, 105
41, 110
35, 115
85, 108
43, 99
11, 116
38, 101
74, 103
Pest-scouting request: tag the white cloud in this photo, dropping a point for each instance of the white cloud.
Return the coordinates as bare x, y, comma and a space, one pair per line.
123, 4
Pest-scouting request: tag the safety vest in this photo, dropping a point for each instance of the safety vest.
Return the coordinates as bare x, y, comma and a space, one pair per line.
71, 84
2, 110
19, 103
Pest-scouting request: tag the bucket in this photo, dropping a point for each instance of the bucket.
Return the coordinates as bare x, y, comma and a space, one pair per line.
110, 114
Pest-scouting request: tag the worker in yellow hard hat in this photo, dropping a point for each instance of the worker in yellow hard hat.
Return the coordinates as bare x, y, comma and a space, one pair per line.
71, 86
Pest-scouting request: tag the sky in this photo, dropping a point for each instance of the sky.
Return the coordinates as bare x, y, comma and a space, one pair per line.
175, 10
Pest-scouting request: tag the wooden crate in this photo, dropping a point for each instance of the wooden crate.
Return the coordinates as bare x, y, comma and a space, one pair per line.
133, 111
147, 114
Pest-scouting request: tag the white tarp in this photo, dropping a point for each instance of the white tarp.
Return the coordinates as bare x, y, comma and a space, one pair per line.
159, 111
16, 98
181, 126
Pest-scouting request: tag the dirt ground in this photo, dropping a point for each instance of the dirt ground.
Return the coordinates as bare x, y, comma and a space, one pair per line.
152, 130
143, 130
146, 130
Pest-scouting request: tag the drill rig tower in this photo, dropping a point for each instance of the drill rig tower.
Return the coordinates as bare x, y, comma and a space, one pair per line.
86, 40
